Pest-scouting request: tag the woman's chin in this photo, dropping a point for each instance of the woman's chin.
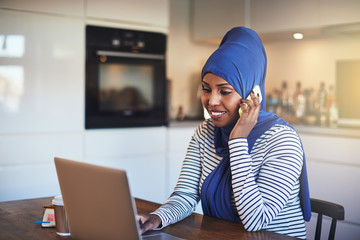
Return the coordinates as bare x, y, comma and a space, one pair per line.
219, 123
223, 122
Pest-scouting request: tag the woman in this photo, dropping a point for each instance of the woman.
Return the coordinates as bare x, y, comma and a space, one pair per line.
247, 169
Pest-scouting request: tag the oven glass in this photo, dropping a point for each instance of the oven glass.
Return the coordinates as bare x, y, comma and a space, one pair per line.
125, 87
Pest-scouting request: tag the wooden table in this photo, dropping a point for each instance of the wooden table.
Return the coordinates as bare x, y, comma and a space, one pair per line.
17, 222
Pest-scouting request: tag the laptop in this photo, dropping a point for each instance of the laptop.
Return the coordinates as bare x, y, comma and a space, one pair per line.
98, 203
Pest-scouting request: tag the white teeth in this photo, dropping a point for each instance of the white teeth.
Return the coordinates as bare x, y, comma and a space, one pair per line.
217, 113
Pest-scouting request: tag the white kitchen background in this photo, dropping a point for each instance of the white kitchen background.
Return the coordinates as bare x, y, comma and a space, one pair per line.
42, 59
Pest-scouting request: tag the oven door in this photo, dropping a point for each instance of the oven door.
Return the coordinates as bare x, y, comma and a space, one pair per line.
125, 89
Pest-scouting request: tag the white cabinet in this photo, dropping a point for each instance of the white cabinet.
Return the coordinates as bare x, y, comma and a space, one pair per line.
283, 15
291, 15
63, 7
178, 140
334, 170
334, 167
139, 151
211, 19
124, 142
41, 73
148, 13
334, 12
41, 98
28, 181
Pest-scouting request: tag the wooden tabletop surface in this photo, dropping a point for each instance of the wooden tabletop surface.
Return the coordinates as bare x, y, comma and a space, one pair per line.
17, 222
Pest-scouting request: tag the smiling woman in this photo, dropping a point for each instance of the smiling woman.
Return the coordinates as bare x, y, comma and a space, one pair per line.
248, 169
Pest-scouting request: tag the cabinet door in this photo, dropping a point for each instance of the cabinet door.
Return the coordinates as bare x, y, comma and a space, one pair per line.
41, 73
283, 15
178, 142
339, 12
124, 142
150, 12
139, 151
64, 7
211, 19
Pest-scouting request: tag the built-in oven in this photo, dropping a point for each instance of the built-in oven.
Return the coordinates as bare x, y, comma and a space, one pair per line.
125, 78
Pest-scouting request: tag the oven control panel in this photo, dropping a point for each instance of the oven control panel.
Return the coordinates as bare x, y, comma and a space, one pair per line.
125, 40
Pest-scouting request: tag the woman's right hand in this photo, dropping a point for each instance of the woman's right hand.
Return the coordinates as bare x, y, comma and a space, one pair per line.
248, 118
148, 222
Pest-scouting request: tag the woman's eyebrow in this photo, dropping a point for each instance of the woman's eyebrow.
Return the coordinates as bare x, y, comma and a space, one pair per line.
223, 84
219, 85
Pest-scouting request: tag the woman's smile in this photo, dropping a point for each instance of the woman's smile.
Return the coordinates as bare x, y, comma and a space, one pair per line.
216, 114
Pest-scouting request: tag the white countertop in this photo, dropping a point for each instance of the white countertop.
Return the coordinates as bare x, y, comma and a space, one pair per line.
302, 129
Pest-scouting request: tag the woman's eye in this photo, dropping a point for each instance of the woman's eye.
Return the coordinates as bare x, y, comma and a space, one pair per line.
206, 90
225, 92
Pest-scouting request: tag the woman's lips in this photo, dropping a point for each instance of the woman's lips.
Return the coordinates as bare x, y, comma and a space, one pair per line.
216, 114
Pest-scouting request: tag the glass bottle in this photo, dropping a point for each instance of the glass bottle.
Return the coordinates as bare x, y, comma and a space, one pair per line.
322, 106
285, 100
299, 102
333, 113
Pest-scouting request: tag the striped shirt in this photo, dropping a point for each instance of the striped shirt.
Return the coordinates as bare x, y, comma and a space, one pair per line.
265, 182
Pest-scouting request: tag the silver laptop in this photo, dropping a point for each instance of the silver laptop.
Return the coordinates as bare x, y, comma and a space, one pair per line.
98, 203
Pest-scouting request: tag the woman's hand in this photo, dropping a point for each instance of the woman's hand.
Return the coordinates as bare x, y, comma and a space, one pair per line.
148, 221
248, 118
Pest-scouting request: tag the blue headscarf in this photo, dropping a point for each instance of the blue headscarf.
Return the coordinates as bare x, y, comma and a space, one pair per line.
241, 61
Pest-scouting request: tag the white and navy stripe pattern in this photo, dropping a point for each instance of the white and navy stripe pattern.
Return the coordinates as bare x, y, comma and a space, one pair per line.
265, 183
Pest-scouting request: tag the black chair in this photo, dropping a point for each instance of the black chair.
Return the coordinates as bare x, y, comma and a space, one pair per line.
333, 210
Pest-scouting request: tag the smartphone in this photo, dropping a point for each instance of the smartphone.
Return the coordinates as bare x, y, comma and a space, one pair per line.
256, 91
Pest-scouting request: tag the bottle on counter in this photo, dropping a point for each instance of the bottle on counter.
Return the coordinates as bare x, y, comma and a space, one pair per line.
180, 116
299, 102
272, 101
322, 106
333, 113
310, 106
286, 101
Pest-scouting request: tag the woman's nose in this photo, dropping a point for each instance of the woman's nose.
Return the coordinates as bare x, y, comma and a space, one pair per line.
214, 99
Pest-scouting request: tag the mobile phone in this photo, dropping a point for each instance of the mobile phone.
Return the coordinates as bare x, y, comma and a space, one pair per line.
256, 91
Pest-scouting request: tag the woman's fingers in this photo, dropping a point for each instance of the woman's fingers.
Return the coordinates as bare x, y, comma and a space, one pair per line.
253, 103
141, 218
256, 104
248, 117
244, 107
145, 225
148, 222
255, 98
252, 107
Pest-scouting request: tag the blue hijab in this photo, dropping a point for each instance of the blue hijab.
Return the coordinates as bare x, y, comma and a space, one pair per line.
241, 61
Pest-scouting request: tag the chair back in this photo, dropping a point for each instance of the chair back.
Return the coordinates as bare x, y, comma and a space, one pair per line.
332, 210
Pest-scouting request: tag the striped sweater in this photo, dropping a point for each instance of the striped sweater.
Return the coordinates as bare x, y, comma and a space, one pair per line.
265, 182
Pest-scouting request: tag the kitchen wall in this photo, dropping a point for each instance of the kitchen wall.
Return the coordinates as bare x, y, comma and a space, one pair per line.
42, 85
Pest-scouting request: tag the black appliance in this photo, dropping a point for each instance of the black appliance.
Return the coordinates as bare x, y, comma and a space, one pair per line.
125, 78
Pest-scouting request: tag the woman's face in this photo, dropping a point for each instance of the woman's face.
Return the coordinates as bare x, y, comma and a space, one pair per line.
220, 100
